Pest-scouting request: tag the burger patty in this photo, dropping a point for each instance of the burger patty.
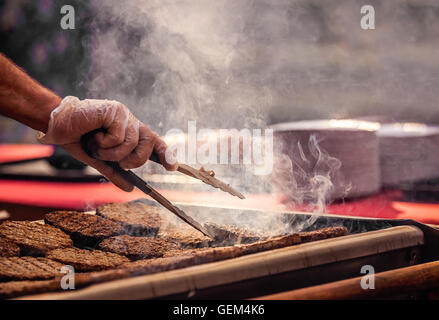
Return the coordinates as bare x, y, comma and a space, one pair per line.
325, 233
34, 238
137, 218
176, 259
204, 255
191, 239
8, 248
270, 244
137, 248
28, 268
184, 235
156, 265
14, 289
86, 260
84, 229
230, 234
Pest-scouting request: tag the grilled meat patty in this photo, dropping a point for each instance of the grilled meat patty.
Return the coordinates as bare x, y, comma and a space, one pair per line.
86, 260
330, 232
184, 235
137, 248
84, 229
270, 244
34, 238
8, 248
230, 234
140, 219
137, 218
14, 289
150, 266
28, 268
172, 259
219, 253
190, 239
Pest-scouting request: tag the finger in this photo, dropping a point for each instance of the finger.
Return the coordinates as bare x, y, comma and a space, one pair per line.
115, 122
125, 148
76, 151
160, 148
143, 150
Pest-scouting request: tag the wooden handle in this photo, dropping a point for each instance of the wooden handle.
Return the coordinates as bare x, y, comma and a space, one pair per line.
88, 144
394, 282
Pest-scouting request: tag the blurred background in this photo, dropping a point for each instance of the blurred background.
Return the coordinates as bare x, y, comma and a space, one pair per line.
261, 61
31, 36
238, 64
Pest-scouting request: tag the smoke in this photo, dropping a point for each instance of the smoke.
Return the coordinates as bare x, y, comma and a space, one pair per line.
171, 62
306, 175
222, 63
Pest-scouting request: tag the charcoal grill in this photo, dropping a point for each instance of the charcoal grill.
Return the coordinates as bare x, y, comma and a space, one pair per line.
384, 244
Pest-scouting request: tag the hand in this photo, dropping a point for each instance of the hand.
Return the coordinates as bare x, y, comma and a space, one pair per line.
126, 140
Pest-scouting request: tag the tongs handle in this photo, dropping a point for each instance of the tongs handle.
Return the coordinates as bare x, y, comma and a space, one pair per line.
154, 157
88, 144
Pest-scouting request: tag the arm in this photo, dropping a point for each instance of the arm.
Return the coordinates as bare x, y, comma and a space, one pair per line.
64, 121
24, 99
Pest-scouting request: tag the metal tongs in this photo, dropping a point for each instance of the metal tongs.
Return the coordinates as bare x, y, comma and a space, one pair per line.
89, 145
203, 175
